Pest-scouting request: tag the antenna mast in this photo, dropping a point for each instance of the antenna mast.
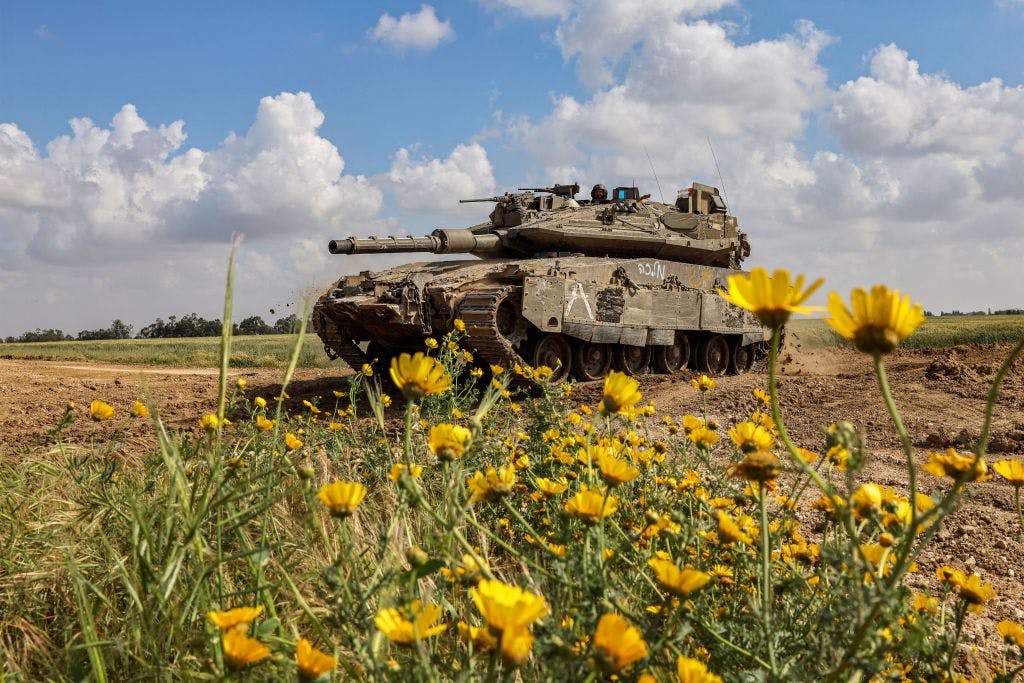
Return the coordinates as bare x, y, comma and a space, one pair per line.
655, 173
718, 171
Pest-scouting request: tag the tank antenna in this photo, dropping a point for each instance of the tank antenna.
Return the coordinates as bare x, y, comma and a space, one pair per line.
655, 173
721, 180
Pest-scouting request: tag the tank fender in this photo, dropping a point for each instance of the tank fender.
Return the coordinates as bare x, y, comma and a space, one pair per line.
543, 299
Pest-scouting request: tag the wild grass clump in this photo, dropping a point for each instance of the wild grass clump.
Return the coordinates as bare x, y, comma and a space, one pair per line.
479, 524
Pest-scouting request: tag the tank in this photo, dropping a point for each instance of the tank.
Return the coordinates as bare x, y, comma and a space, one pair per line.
577, 285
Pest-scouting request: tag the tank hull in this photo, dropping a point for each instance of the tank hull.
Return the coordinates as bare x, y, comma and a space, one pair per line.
578, 312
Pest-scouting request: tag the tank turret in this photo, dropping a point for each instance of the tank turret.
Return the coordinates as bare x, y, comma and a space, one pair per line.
577, 284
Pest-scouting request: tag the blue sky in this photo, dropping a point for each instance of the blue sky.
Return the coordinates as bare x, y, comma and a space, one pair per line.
841, 127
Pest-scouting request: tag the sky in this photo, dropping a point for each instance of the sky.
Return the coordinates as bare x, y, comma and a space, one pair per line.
863, 141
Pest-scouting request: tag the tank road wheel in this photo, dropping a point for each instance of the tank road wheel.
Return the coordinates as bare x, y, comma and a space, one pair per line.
553, 350
713, 355
591, 361
671, 359
742, 359
632, 360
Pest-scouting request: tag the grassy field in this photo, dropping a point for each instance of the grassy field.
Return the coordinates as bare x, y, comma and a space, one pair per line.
247, 352
273, 350
934, 333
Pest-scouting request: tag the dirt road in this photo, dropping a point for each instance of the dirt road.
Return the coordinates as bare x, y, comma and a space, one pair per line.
941, 394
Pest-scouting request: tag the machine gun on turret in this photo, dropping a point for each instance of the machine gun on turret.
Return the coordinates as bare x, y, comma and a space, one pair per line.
567, 191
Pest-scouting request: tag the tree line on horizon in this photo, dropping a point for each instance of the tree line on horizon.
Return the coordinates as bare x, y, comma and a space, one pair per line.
190, 325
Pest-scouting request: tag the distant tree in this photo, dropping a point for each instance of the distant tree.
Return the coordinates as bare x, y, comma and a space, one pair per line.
117, 330
39, 335
191, 325
286, 325
254, 324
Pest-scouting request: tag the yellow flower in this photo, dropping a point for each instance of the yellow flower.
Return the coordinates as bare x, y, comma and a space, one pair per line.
750, 437
620, 393
263, 424
480, 636
493, 484
467, 570
338, 394
762, 466
419, 375
312, 662
762, 396
703, 437
101, 410
703, 384
953, 465
731, 532
771, 298
208, 422
241, 650
342, 497
237, 618
867, 499
1011, 632
260, 401
694, 671
430, 342
139, 409
552, 487
405, 627
398, 469
292, 442
1010, 470
591, 506
507, 607
617, 644
460, 325
449, 441
367, 369
615, 471
516, 644
975, 593
878, 322
675, 580
241, 382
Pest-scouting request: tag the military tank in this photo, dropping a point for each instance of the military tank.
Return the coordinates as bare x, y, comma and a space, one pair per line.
577, 285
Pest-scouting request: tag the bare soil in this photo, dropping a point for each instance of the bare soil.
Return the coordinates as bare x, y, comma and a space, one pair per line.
941, 394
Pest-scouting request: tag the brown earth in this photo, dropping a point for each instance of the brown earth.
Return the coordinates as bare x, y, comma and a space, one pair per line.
941, 394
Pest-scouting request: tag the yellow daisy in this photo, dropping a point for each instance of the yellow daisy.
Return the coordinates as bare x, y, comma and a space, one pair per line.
878, 321
771, 298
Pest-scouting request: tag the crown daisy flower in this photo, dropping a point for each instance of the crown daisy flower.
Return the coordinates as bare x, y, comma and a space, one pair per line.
875, 322
342, 497
620, 393
617, 644
772, 298
419, 375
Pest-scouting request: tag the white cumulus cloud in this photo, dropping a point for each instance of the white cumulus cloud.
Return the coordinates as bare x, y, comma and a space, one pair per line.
420, 31
436, 185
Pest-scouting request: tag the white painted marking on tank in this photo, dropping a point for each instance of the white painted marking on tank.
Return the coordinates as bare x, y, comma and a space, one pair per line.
654, 269
578, 293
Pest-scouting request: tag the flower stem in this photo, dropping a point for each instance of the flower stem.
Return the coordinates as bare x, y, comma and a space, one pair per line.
766, 578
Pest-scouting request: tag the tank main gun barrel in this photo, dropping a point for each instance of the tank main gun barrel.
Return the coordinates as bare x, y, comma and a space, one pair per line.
482, 199
442, 241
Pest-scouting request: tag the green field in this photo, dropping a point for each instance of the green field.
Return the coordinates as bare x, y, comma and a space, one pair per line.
261, 351
936, 332
274, 350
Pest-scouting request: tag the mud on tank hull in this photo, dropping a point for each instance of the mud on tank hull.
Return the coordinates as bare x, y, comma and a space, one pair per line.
582, 314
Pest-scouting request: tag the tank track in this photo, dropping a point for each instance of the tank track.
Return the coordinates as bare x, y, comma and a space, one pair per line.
336, 344
479, 311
